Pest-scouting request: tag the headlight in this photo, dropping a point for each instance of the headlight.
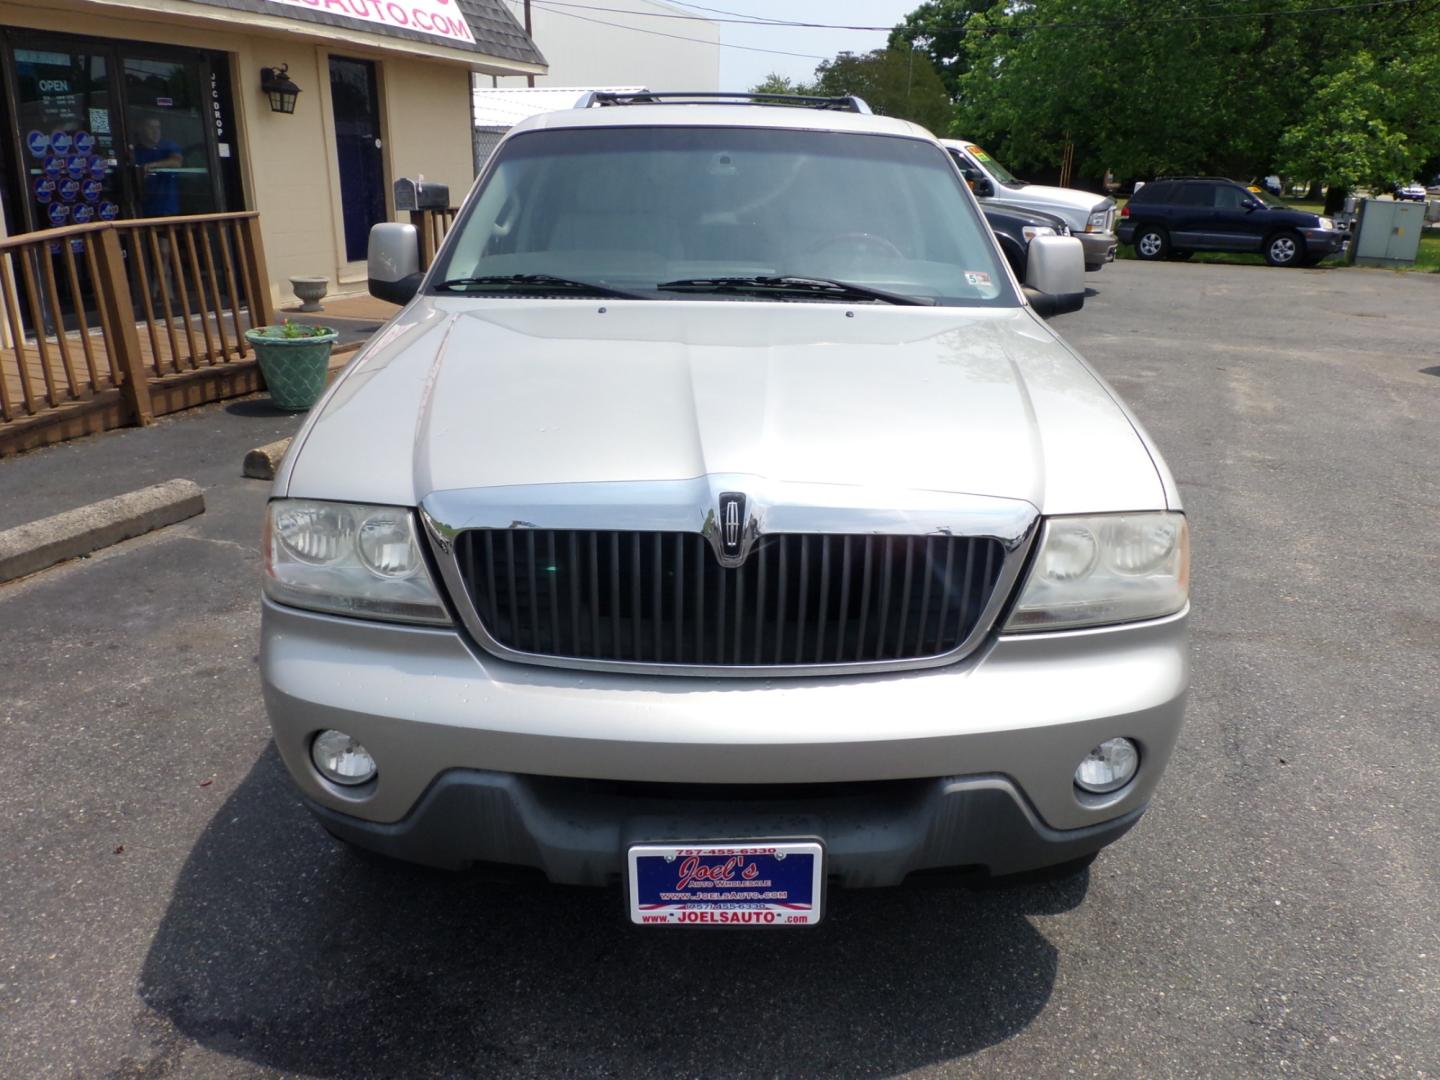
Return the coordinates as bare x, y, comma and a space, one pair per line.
1109, 568
1327, 223
1032, 231
349, 559
1098, 220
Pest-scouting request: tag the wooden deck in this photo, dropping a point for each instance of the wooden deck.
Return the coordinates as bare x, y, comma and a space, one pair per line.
75, 367
126, 291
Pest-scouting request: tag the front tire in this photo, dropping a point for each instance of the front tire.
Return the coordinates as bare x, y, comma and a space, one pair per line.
1284, 249
1151, 243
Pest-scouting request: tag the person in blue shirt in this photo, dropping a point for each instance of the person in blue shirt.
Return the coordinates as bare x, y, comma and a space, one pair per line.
156, 156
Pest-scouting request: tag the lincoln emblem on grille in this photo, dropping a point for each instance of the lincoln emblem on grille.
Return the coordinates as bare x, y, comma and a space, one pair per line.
732, 525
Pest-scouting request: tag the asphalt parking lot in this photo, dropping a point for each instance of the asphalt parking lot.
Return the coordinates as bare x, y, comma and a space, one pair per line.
168, 909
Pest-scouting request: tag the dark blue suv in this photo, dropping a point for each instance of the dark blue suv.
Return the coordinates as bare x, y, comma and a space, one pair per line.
1174, 217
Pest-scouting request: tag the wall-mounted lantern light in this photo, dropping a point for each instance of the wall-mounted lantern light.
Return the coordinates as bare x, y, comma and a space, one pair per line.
279, 89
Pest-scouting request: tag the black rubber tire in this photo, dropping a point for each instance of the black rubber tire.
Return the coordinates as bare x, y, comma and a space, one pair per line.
1058, 872
1180, 256
1284, 249
1152, 243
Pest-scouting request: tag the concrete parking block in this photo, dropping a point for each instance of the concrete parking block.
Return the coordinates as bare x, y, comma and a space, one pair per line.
261, 463
29, 548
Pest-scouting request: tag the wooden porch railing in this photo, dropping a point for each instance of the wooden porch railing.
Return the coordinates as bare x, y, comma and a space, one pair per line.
113, 323
431, 227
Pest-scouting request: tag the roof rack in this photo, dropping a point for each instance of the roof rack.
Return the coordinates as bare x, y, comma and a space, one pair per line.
1216, 179
849, 103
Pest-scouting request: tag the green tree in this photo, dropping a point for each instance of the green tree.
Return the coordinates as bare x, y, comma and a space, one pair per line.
938, 27
1195, 87
894, 82
1367, 123
779, 84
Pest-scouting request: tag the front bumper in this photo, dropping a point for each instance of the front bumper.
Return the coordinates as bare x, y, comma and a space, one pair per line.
1324, 241
429, 707
1099, 248
577, 832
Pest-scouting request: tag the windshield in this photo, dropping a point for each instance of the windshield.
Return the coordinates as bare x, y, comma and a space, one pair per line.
1257, 192
636, 208
994, 168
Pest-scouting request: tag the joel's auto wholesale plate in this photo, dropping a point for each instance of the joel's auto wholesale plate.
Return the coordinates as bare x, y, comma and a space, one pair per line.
743, 883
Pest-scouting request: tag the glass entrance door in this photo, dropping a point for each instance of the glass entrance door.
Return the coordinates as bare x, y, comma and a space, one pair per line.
109, 131
167, 124
70, 146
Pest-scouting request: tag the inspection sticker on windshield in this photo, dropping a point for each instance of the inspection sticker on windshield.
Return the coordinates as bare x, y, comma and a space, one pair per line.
736, 884
976, 277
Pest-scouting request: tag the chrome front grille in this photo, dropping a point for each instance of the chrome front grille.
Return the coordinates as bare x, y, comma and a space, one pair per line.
605, 598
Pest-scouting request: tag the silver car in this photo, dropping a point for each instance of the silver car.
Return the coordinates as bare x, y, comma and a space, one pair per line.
718, 519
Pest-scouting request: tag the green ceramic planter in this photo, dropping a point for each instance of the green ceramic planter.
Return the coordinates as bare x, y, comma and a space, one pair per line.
294, 367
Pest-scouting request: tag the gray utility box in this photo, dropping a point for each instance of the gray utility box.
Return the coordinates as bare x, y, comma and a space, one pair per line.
1387, 233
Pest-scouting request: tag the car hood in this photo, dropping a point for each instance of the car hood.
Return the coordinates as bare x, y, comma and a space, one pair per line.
1017, 216
1056, 199
463, 393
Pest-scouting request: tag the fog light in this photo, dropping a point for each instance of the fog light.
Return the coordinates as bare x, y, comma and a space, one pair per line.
341, 759
1109, 767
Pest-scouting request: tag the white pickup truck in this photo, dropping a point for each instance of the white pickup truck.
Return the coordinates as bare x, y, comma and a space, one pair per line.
1091, 217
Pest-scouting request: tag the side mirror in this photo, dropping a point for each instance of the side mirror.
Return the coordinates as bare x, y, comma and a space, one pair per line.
1250, 204
983, 188
394, 262
1047, 304
1055, 275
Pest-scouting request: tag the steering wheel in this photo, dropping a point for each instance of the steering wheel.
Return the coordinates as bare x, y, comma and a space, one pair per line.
860, 239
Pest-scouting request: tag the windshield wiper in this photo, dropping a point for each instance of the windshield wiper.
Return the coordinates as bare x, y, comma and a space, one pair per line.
827, 287
538, 283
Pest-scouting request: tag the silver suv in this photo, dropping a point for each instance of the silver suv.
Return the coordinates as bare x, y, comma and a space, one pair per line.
717, 518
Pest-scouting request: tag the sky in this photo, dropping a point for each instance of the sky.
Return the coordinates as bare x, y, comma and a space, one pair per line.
740, 69
749, 53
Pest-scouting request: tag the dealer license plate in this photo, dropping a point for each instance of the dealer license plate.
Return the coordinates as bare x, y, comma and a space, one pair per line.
745, 883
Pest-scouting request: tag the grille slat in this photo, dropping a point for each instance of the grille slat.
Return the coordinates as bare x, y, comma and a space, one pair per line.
904, 623
663, 598
575, 646
820, 622
534, 580
885, 573
864, 598
757, 634
615, 595
698, 651
637, 582
945, 591
679, 617
928, 572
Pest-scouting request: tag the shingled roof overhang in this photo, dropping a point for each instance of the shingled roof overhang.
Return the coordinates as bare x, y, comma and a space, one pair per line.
500, 45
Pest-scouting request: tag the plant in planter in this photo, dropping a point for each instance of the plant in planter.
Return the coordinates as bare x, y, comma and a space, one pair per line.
295, 359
